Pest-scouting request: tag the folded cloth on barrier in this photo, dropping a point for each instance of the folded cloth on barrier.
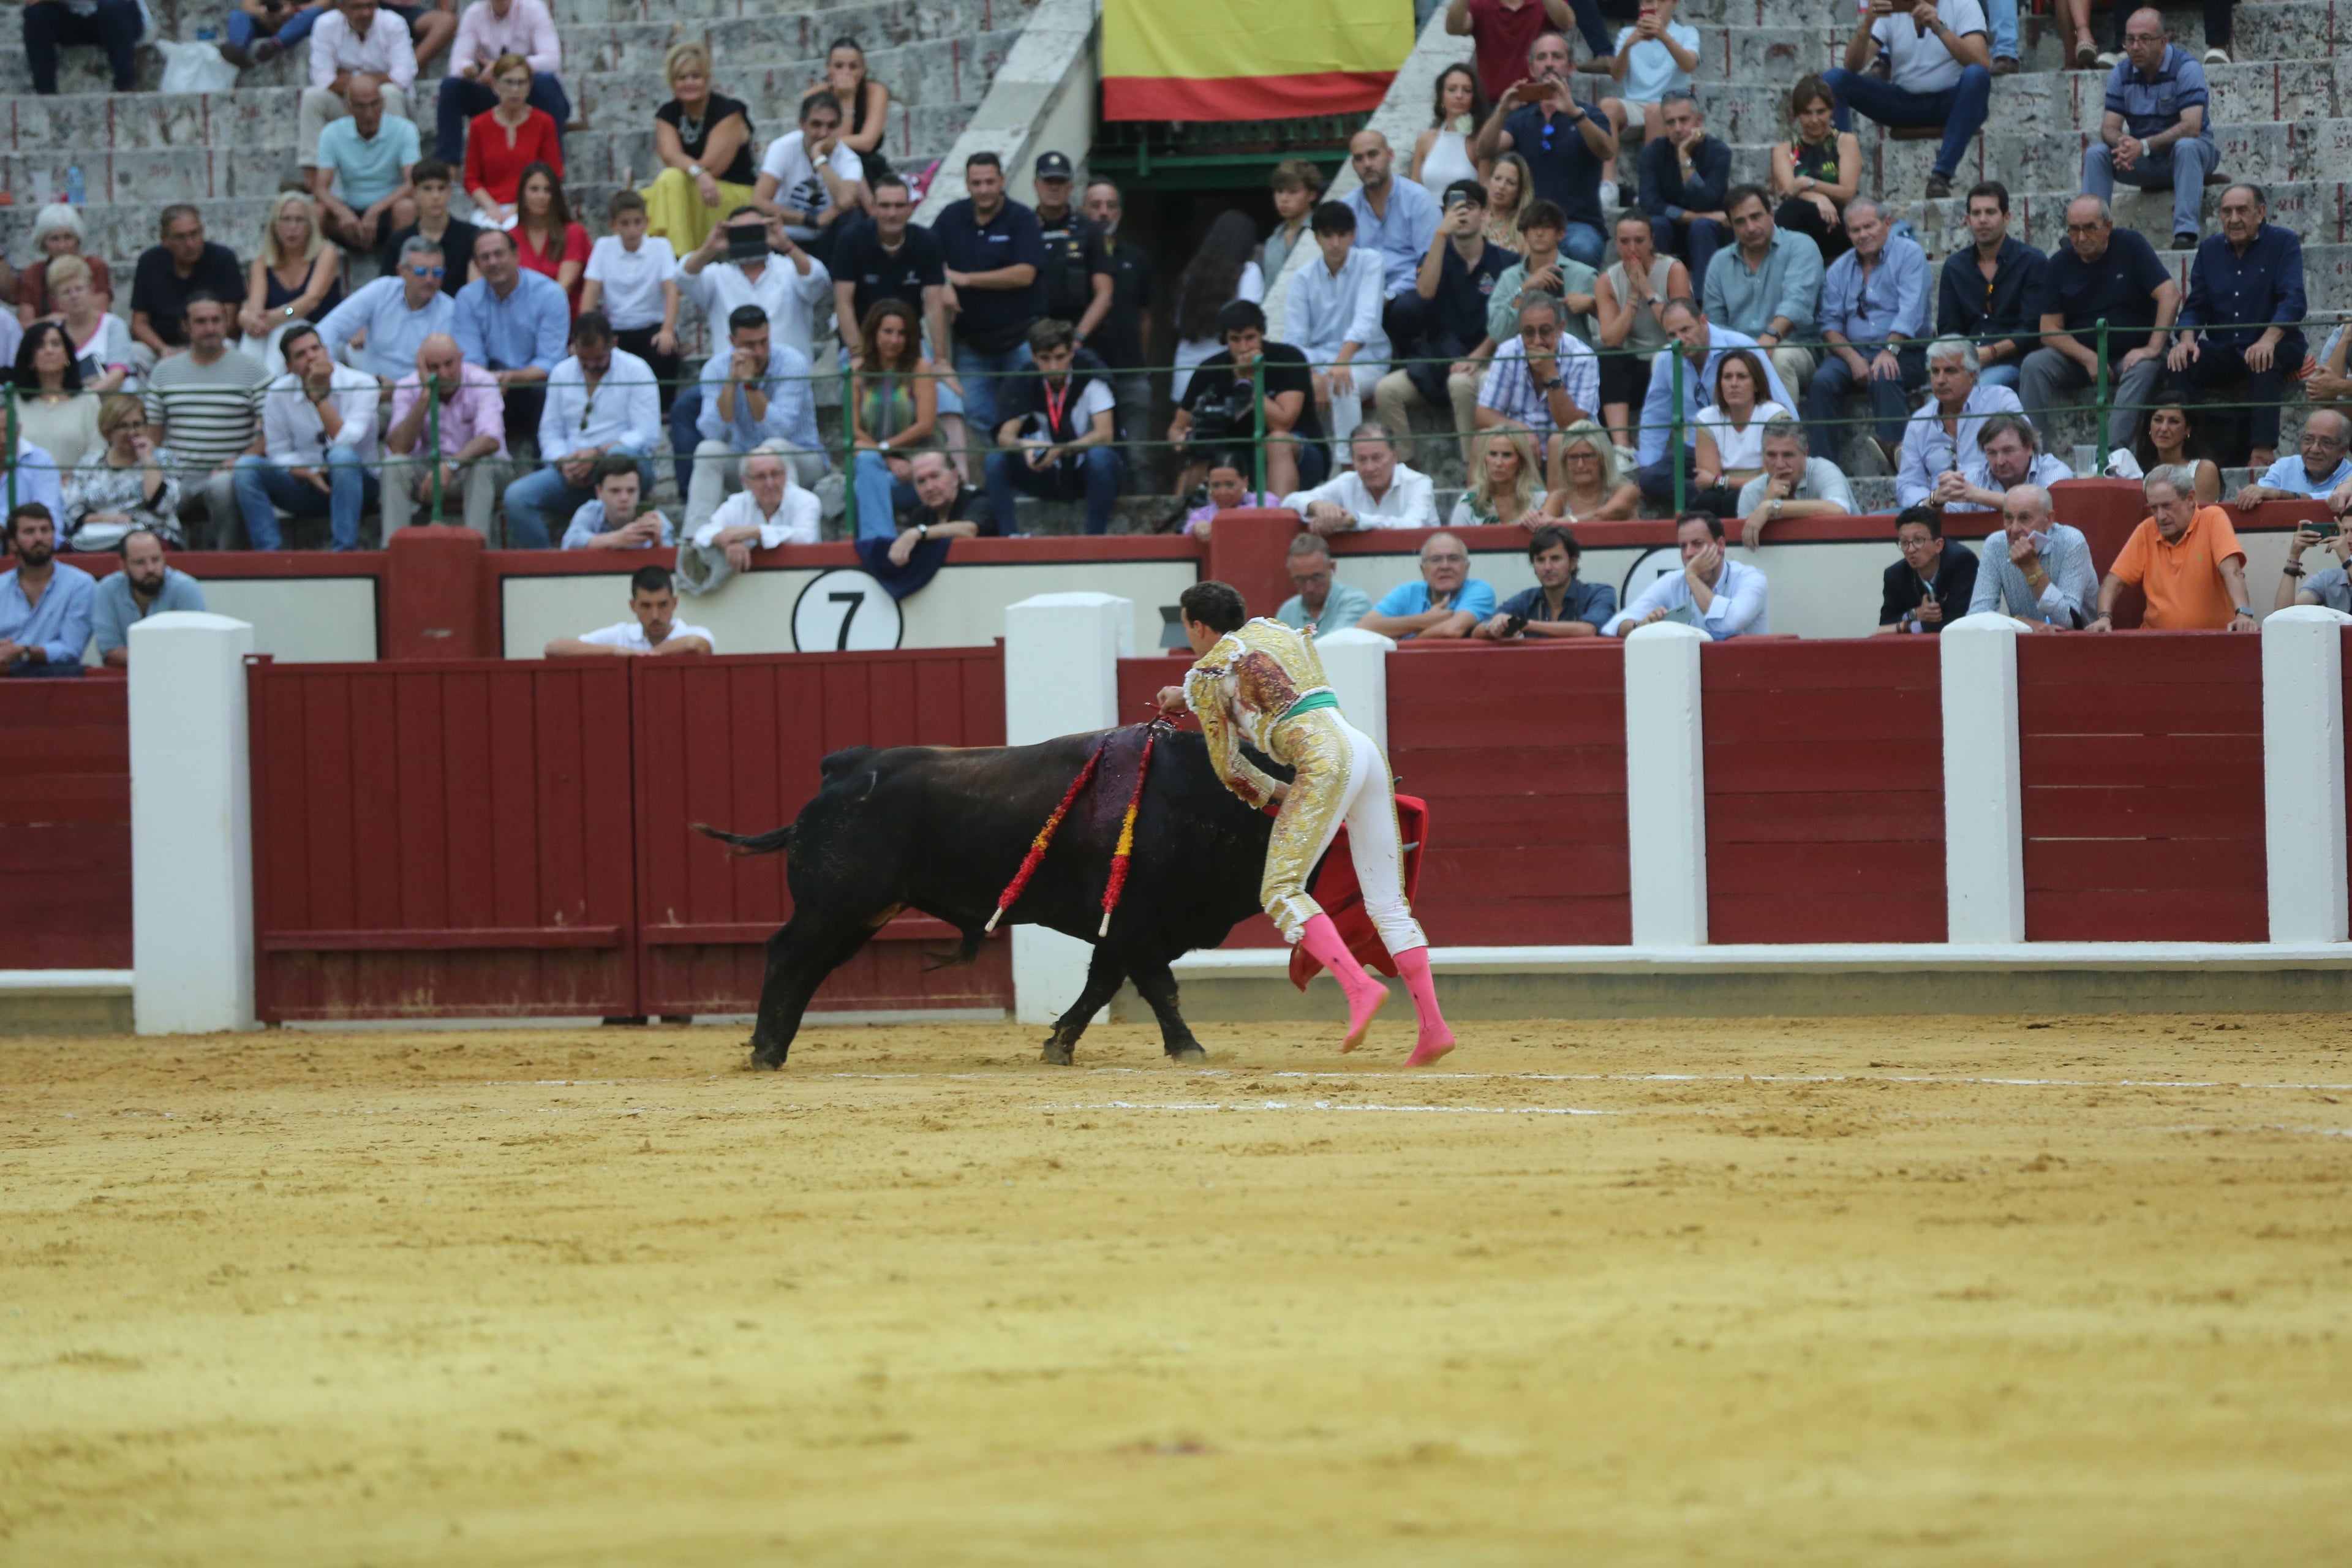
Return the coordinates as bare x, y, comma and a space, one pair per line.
1335, 888
921, 566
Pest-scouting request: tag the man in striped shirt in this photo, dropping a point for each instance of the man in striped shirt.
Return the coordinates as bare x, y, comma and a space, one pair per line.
1543, 379
207, 406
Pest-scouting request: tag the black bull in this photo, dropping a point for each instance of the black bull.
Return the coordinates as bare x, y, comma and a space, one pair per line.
943, 831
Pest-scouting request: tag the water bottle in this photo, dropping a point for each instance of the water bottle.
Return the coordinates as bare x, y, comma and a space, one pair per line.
76, 193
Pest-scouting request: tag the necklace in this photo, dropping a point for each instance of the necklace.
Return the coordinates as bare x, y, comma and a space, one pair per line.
690, 126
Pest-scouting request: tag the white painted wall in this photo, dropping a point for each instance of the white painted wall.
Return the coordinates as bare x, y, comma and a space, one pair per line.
1357, 663
300, 620
190, 825
963, 606
1665, 785
2303, 772
1984, 813
1061, 677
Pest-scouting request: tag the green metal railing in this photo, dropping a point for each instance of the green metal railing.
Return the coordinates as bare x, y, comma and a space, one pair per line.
1261, 437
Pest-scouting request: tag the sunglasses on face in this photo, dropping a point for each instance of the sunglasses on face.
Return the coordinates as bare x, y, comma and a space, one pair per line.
427, 272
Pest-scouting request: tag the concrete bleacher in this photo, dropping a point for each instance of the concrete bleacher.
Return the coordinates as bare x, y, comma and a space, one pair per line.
228, 153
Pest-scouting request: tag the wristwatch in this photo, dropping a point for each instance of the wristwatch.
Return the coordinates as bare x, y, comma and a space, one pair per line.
694, 171
923, 531
2246, 611
1776, 507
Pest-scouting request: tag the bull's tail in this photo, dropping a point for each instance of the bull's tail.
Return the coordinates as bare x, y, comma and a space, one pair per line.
748, 844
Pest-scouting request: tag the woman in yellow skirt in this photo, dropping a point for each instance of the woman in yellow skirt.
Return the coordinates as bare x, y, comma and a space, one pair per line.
1258, 680
705, 141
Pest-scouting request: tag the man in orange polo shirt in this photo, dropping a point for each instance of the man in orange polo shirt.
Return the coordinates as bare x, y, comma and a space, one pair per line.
2185, 558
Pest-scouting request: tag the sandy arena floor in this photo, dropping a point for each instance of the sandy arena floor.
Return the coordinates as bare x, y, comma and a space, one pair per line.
1886, 1291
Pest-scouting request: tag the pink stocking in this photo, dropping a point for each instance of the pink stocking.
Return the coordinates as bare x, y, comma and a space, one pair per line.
1436, 1039
1365, 995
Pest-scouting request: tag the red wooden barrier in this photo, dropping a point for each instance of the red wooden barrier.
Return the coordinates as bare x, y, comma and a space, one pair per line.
736, 742
1824, 790
443, 841
1520, 752
65, 825
2142, 774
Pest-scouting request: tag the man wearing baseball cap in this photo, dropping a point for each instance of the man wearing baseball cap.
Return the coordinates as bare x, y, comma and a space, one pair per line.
1077, 271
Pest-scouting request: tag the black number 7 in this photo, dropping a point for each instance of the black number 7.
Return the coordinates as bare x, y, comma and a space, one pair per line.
853, 598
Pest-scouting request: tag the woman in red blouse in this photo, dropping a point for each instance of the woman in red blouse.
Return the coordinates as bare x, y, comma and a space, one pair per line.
546, 240
502, 143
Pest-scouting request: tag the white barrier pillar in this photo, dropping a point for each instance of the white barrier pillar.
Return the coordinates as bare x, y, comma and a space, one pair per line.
1984, 814
1357, 661
192, 939
2303, 771
1061, 677
1665, 785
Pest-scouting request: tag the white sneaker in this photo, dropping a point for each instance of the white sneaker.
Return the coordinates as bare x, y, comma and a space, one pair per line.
2217, 57
2109, 59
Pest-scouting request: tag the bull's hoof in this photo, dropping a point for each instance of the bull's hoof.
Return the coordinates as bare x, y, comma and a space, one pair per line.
1057, 1052
1187, 1054
766, 1058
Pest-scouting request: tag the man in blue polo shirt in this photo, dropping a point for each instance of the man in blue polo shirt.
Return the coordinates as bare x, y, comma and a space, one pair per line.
1566, 143
2156, 130
514, 323
2101, 273
1444, 603
2243, 321
994, 253
2313, 473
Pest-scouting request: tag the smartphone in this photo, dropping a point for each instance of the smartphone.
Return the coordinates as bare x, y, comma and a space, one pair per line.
746, 243
1515, 626
2329, 529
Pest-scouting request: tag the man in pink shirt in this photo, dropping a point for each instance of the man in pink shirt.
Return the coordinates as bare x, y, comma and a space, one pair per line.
473, 439
490, 28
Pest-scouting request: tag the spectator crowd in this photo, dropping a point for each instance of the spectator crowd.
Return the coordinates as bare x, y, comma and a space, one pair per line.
1561, 271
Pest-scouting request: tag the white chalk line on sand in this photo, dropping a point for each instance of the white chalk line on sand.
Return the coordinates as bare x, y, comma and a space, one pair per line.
1442, 1077
1328, 1105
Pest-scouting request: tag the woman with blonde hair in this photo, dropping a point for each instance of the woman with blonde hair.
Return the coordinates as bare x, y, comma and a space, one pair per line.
128, 483
893, 412
297, 275
56, 232
1510, 186
704, 139
1586, 486
102, 343
1508, 488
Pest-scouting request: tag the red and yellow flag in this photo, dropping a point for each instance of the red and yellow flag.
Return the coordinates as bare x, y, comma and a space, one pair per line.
1250, 59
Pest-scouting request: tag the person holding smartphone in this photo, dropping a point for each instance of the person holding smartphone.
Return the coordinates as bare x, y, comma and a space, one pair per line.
2332, 587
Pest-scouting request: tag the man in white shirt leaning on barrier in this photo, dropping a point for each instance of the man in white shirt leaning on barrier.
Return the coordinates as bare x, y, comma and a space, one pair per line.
654, 631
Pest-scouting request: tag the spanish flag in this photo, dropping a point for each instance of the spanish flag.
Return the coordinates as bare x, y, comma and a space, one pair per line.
1250, 59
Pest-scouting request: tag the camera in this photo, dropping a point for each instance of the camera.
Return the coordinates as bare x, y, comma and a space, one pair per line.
1223, 420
